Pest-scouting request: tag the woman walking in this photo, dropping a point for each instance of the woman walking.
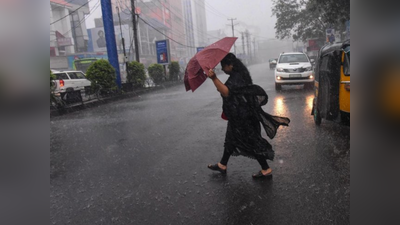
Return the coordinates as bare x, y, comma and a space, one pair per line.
242, 101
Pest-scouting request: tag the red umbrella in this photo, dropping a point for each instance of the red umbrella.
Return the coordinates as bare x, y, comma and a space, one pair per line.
205, 60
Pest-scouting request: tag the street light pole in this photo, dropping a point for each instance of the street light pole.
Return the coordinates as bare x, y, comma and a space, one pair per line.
123, 41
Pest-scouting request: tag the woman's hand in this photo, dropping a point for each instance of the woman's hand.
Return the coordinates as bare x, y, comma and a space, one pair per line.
211, 74
218, 84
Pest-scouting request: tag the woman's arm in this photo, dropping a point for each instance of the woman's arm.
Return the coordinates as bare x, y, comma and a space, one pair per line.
222, 88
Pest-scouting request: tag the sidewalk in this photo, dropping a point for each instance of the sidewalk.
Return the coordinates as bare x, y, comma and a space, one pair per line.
91, 101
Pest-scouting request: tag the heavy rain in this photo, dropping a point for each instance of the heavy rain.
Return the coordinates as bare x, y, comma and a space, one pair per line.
142, 112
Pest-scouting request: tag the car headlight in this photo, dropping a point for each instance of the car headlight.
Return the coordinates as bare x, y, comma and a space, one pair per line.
279, 69
308, 68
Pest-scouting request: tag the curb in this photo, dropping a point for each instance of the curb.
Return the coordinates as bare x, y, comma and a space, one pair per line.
93, 103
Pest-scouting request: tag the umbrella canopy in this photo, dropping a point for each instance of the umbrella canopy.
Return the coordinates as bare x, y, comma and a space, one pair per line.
204, 60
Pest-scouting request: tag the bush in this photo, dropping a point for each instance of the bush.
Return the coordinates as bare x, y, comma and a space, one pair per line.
101, 73
136, 73
174, 70
156, 72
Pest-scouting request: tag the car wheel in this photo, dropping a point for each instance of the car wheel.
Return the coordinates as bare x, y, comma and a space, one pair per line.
317, 117
278, 87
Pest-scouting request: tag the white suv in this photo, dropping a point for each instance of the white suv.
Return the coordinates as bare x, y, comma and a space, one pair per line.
70, 81
294, 68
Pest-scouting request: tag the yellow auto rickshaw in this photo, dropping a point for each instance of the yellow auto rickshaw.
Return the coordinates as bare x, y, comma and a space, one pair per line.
332, 84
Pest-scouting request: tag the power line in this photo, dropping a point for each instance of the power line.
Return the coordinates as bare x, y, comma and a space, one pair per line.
164, 34
198, 29
219, 13
180, 33
160, 17
83, 20
70, 13
213, 10
254, 35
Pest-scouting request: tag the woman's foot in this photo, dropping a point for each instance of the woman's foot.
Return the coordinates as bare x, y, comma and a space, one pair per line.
218, 167
263, 173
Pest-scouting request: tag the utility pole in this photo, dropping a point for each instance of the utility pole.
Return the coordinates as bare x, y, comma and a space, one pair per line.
135, 38
244, 47
123, 41
233, 33
254, 46
248, 43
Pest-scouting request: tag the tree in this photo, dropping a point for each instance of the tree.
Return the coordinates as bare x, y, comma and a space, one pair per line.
156, 72
136, 73
303, 19
101, 74
173, 68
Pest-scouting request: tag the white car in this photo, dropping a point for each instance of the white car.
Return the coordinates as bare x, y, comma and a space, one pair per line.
294, 68
70, 81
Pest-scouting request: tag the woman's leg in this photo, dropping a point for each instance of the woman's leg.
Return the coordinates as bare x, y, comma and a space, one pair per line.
225, 157
263, 163
265, 169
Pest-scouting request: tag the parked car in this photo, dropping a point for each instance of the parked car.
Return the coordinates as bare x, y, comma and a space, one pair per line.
294, 68
272, 63
70, 84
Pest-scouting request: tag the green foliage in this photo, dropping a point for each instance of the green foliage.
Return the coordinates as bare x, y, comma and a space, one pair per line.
305, 19
101, 73
136, 73
156, 72
173, 68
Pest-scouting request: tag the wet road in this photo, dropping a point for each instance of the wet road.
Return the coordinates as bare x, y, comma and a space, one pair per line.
144, 161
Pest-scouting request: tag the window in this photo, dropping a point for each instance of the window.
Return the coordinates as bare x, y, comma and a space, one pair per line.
289, 58
76, 75
61, 76
73, 76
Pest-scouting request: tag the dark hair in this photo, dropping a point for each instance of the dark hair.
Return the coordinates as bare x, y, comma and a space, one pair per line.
238, 66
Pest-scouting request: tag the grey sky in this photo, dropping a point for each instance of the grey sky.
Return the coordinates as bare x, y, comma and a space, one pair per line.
248, 13
254, 15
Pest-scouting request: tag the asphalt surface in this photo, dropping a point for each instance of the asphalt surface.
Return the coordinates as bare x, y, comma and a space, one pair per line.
143, 160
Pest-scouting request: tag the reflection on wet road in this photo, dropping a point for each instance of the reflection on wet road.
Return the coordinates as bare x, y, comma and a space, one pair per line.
144, 161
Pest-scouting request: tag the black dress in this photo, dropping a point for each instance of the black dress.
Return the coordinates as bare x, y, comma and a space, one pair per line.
245, 116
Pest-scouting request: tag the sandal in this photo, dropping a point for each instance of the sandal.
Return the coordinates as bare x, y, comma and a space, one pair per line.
261, 175
217, 168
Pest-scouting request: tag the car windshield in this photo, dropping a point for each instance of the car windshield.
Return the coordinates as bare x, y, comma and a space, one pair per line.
290, 58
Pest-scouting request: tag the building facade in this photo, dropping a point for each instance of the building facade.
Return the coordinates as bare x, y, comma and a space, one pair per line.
68, 33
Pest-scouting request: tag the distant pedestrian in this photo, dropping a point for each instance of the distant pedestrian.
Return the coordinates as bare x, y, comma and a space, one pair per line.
242, 101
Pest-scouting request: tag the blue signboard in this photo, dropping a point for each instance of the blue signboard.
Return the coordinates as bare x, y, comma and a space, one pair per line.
199, 48
163, 53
